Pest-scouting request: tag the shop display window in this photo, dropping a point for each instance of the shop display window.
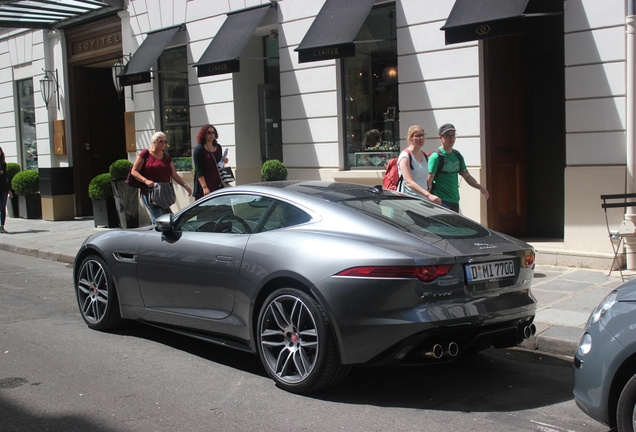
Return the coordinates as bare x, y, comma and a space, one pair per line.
26, 119
371, 93
175, 105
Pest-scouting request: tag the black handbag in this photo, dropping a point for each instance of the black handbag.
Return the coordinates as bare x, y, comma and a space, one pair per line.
131, 180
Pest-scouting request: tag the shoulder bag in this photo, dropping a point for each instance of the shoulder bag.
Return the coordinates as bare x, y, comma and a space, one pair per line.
224, 173
161, 194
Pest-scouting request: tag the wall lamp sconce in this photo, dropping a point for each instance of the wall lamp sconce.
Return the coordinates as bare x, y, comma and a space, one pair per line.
117, 69
49, 84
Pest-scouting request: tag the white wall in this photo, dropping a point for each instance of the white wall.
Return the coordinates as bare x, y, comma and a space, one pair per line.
595, 118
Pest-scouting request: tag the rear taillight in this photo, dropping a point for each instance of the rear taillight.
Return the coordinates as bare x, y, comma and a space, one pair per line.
423, 273
528, 259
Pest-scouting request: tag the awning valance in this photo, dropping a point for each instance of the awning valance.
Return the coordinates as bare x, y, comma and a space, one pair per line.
222, 55
480, 19
334, 30
137, 70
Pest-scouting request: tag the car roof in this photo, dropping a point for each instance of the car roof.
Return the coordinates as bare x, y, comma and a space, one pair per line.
332, 191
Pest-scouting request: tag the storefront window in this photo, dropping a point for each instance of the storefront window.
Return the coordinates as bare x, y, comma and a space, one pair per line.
175, 105
27, 136
371, 94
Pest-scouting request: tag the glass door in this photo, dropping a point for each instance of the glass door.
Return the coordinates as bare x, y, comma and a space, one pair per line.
270, 122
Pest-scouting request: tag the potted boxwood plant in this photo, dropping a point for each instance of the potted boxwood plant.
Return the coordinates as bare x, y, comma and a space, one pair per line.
13, 207
101, 192
26, 184
126, 197
273, 170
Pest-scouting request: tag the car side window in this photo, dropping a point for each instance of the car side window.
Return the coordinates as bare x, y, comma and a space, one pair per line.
284, 215
230, 214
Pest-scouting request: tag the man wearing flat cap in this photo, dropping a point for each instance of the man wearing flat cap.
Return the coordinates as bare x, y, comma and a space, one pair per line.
444, 165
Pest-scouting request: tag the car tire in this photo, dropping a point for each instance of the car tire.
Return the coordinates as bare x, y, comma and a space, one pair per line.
296, 343
96, 295
626, 410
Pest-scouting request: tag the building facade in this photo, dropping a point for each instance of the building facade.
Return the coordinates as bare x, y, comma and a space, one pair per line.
541, 94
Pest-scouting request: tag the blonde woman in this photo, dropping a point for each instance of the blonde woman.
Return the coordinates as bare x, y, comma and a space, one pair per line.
155, 165
413, 166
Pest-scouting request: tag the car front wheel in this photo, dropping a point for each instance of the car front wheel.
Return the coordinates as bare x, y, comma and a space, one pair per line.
626, 411
96, 295
296, 344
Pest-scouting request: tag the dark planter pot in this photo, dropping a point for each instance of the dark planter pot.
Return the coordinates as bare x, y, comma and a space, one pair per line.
105, 213
13, 207
30, 206
126, 203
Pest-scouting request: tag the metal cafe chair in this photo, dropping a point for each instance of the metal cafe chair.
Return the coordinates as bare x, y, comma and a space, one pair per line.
626, 229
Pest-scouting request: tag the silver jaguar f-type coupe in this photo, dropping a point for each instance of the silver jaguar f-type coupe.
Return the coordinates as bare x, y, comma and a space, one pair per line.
314, 277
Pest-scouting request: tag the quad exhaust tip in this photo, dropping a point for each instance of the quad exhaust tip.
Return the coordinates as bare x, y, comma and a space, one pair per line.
438, 350
530, 330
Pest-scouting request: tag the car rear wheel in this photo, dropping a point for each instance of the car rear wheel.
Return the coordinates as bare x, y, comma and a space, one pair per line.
96, 295
626, 411
296, 344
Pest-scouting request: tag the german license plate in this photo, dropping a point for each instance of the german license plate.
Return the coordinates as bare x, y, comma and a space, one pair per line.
489, 270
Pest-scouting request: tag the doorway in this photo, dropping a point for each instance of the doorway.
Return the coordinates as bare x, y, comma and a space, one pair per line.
524, 85
98, 132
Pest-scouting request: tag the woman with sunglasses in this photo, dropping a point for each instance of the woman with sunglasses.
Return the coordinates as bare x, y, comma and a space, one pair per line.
206, 155
155, 165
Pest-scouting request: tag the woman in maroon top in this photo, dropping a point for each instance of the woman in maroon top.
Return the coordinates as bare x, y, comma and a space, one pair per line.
153, 165
206, 155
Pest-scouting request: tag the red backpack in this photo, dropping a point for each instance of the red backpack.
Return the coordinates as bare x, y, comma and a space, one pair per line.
392, 177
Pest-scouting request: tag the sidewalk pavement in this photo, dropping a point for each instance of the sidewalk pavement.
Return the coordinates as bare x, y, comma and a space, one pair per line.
566, 296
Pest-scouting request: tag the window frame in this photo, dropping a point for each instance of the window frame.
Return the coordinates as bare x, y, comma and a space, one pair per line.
179, 137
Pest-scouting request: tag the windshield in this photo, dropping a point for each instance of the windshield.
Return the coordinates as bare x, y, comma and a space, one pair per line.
418, 217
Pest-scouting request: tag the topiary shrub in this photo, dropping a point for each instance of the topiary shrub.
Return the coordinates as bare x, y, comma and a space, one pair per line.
119, 169
26, 182
273, 170
12, 169
99, 188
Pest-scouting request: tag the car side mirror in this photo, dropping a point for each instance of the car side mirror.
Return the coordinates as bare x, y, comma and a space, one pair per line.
165, 223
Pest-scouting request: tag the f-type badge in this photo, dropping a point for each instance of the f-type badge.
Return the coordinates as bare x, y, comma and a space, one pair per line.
483, 29
485, 246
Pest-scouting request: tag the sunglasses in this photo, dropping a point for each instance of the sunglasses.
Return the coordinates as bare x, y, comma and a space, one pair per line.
162, 141
211, 132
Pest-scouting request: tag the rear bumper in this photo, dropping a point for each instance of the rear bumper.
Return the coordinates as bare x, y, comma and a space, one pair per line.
388, 322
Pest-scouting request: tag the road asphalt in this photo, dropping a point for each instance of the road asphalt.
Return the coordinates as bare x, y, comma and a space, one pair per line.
566, 296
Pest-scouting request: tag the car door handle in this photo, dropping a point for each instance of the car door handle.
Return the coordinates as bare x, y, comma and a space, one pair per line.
223, 258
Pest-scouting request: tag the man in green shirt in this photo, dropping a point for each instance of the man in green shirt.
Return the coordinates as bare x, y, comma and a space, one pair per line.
445, 183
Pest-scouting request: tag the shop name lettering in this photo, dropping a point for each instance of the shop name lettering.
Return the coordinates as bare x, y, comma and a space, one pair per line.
217, 68
98, 43
133, 78
324, 52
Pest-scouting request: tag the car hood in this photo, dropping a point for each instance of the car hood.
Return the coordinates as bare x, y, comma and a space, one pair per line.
627, 292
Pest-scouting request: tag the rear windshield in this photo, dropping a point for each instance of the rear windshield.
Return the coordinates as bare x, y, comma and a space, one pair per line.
418, 217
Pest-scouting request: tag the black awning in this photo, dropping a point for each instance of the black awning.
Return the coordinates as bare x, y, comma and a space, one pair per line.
137, 70
479, 19
46, 14
222, 55
334, 30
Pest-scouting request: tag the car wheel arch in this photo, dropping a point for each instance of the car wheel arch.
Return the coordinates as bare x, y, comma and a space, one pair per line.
624, 373
86, 251
268, 288
289, 282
